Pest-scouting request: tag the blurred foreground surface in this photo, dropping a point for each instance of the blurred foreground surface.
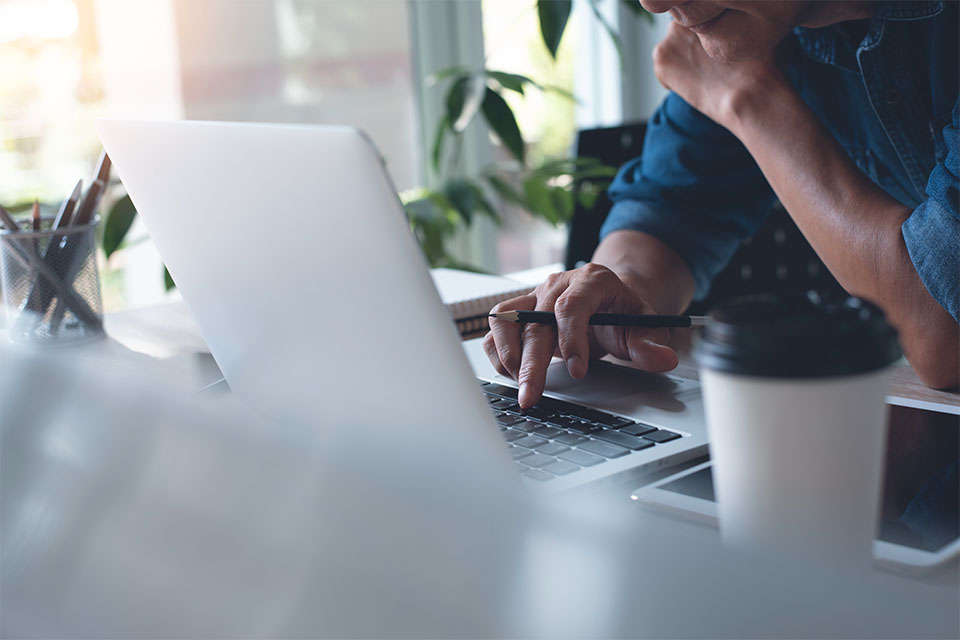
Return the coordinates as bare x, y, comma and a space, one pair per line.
131, 510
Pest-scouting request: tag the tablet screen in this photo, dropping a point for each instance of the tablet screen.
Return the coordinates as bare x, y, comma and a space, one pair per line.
921, 493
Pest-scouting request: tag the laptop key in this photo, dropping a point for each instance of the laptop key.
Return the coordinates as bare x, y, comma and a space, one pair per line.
504, 403
521, 467
583, 428
579, 457
536, 474
661, 435
563, 421
538, 460
561, 468
604, 449
548, 432
538, 413
528, 426
624, 440
552, 448
619, 423
637, 429
507, 420
586, 413
500, 390
529, 442
570, 439
520, 452
512, 434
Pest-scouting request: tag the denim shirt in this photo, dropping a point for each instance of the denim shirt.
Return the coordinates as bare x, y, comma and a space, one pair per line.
891, 101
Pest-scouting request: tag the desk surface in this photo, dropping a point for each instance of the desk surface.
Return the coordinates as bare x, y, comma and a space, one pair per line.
248, 546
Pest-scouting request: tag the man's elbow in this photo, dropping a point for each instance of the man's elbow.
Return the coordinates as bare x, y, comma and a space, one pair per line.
937, 363
945, 378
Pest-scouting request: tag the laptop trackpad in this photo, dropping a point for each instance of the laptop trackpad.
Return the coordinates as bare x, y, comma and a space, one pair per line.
606, 382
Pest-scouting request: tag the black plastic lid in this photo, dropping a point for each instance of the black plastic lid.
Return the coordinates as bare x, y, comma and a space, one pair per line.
797, 336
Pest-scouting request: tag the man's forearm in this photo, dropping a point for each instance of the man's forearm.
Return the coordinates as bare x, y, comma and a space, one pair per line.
852, 224
649, 267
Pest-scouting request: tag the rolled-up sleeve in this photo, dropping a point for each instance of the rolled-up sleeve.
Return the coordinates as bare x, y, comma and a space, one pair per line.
932, 231
695, 188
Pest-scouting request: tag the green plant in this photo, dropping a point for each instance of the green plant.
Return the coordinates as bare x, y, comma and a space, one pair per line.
436, 215
545, 190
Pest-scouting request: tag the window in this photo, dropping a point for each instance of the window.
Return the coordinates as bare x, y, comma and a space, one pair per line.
68, 62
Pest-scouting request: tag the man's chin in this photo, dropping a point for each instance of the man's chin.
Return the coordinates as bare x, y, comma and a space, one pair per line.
725, 51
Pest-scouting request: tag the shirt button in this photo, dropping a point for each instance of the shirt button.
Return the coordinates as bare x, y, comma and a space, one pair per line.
892, 96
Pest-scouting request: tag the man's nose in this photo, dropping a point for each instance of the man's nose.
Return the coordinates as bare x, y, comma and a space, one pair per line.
660, 6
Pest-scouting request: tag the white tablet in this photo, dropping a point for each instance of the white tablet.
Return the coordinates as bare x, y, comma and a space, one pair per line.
921, 476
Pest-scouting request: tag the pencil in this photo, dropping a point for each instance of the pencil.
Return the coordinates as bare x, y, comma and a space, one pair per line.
605, 319
8, 220
66, 209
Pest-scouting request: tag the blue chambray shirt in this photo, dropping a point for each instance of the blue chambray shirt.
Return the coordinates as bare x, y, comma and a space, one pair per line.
890, 100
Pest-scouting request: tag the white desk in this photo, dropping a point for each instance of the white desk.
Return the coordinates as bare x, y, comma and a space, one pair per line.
164, 530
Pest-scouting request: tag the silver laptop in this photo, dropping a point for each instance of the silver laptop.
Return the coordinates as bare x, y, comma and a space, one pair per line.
292, 251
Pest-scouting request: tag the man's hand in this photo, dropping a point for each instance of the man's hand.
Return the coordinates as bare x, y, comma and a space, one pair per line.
710, 86
523, 352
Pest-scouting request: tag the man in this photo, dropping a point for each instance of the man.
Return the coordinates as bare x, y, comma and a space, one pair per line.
847, 112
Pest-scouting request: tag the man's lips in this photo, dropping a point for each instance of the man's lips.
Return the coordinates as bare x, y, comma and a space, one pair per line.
704, 25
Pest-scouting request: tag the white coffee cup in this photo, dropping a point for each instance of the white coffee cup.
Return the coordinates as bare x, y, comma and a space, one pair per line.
794, 394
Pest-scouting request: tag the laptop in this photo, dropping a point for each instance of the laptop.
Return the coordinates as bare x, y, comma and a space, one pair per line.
291, 249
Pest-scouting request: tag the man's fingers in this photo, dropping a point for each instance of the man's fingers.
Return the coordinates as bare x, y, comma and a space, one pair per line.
645, 350
593, 286
507, 336
490, 348
539, 343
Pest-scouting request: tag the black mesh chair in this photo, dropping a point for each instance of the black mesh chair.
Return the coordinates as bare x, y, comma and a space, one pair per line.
777, 259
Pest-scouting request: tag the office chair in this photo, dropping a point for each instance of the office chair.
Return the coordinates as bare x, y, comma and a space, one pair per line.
777, 259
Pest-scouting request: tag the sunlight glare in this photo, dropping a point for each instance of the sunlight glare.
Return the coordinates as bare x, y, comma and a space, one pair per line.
37, 20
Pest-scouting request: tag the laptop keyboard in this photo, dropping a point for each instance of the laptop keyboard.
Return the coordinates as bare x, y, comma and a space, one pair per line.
556, 438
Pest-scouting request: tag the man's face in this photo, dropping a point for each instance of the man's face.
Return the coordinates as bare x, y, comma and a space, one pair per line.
731, 30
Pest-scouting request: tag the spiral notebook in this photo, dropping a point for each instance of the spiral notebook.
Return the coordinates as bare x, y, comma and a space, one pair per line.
470, 296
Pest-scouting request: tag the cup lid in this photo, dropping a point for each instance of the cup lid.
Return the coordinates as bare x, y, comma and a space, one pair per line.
797, 336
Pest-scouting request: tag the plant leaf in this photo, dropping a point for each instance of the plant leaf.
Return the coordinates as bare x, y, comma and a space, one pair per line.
506, 190
168, 282
456, 95
445, 73
512, 81
464, 100
587, 195
484, 205
552, 88
563, 204
538, 199
119, 219
467, 198
501, 119
610, 31
423, 211
438, 138
553, 20
462, 197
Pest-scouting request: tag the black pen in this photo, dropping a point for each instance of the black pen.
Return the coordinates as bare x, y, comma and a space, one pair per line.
605, 319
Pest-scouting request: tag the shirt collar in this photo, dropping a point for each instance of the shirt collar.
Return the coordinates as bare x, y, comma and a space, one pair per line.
915, 10
831, 45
